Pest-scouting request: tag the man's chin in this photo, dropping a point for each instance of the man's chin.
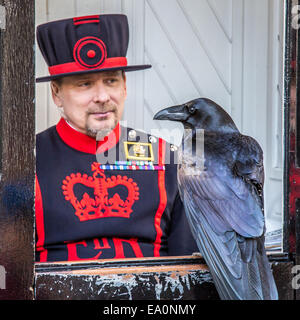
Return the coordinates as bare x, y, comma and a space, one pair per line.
101, 131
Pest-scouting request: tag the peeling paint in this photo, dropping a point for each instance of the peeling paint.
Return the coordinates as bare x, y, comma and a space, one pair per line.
174, 285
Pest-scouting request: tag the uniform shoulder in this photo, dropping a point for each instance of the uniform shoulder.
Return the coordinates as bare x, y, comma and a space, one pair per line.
44, 136
45, 132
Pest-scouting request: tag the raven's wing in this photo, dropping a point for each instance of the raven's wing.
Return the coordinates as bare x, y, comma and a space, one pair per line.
227, 222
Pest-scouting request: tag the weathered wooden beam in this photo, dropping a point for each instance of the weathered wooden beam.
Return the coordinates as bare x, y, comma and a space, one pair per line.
17, 131
172, 278
283, 276
180, 278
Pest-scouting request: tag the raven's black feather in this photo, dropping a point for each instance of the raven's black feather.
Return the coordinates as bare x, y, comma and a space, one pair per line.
224, 200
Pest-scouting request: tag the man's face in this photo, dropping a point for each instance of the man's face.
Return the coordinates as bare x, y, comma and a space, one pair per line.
92, 103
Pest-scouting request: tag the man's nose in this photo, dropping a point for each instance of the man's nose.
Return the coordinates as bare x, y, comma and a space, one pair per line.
101, 93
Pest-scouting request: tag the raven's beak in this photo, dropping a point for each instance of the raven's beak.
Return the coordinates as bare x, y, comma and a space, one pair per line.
176, 113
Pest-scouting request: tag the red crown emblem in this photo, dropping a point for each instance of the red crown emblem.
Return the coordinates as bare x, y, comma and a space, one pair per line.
101, 206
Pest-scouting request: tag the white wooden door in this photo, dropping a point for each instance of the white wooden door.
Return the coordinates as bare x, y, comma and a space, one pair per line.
227, 50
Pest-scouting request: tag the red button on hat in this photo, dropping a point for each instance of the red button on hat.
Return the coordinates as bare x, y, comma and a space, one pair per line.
91, 54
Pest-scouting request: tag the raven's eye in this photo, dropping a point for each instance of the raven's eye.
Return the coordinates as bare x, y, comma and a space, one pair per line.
192, 109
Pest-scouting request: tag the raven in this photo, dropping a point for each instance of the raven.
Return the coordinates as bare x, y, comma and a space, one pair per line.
222, 192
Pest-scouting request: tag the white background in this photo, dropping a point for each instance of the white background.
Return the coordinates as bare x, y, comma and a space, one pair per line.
230, 51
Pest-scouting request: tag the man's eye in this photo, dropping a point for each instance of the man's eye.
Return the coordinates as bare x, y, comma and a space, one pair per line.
84, 84
111, 80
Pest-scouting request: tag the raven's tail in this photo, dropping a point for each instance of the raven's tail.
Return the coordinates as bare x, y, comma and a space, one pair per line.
258, 280
268, 285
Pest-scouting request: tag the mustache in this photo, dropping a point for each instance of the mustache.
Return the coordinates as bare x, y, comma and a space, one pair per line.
102, 109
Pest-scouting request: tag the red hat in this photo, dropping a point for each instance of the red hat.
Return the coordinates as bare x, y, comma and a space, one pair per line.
85, 44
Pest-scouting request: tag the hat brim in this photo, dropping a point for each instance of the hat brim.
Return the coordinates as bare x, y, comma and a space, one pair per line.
127, 68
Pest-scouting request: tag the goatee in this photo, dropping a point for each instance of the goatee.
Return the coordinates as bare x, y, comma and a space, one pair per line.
100, 134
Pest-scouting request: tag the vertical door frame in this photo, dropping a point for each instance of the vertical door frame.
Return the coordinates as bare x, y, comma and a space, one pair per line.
17, 108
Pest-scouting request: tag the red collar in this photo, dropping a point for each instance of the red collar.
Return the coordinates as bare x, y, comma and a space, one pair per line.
84, 143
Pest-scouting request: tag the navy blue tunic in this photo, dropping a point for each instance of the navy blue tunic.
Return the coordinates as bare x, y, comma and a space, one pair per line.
123, 209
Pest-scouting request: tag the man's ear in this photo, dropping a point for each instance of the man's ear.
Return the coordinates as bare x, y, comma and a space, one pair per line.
125, 85
56, 96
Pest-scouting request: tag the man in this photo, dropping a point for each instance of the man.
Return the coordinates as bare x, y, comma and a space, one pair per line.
102, 190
